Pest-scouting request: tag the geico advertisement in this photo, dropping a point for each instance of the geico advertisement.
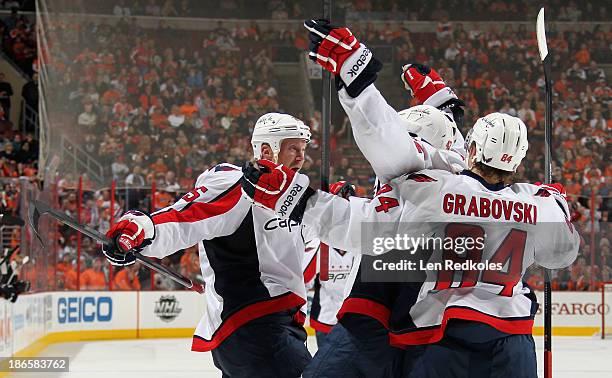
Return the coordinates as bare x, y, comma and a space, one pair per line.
94, 310
574, 309
170, 309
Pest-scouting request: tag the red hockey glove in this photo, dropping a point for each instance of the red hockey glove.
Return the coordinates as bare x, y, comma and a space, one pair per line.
343, 189
338, 51
134, 231
426, 85
274, 186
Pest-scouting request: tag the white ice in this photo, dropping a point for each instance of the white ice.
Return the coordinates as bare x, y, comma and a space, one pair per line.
584, 357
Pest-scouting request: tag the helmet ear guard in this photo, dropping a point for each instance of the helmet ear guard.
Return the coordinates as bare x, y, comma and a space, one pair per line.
273, 128
500, 141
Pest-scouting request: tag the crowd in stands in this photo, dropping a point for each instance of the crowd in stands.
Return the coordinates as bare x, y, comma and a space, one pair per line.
154, 108
474, 10
18, 42
467, 10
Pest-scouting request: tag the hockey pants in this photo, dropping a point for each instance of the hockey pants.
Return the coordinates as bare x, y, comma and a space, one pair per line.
512, 356
358, 346
272, 346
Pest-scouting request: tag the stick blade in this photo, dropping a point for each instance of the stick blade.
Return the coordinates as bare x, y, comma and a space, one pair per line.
541, 35
33, 218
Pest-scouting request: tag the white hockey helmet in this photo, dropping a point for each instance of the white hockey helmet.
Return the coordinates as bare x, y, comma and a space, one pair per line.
430, 124
273, 128
500, 139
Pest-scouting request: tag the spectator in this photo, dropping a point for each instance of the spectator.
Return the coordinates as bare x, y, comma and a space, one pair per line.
119, 169
170, 184
121, 9
88, 119
135, 179
6, 92
127, 278
94, 278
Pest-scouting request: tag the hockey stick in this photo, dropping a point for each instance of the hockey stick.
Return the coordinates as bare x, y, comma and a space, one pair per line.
38, 208
546, 63
325, 130
7, 255
16, 269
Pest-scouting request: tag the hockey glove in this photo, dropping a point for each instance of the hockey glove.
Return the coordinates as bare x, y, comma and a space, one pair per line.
343, 189
424, 83
134, 231
338, 51
274, 186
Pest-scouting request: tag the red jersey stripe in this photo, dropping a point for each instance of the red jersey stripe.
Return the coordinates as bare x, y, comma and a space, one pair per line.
435, 334
197, 211
321, 327
245, 315
365, 307
311, 269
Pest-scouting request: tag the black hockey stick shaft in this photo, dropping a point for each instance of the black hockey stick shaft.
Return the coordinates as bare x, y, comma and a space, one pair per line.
325, 145
546, 63
38, 208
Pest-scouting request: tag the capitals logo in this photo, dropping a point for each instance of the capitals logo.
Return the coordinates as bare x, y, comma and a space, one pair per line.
167, 308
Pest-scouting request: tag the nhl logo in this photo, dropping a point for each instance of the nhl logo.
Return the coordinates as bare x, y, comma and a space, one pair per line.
167, 308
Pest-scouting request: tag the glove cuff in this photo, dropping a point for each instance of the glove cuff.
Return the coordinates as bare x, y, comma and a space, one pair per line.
298, 211
358, 71
290, 198
144, 220
440, 97
455, 106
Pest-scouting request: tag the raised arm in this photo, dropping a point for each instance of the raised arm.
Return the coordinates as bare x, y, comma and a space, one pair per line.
381, 135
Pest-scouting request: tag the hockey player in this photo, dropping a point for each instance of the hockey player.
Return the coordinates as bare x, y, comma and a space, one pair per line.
329, 294
359, 344
486, 317
10, 284
250, 259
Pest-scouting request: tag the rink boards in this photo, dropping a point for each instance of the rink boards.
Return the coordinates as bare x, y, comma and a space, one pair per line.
36, 320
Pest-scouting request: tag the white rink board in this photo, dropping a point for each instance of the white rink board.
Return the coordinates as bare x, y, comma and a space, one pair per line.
27, 320
178, 309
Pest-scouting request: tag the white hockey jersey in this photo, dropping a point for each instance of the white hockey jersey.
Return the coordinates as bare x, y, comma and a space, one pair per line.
330, 294
521, 224
391, 150
251, 260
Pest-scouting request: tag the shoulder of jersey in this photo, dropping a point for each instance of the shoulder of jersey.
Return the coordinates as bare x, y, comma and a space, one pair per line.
535, 191
220, 177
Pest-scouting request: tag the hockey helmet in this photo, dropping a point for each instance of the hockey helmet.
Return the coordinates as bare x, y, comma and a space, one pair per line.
430, 124
500, 139
273, 128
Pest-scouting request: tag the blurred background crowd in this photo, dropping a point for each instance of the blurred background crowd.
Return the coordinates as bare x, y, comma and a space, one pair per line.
156, 109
